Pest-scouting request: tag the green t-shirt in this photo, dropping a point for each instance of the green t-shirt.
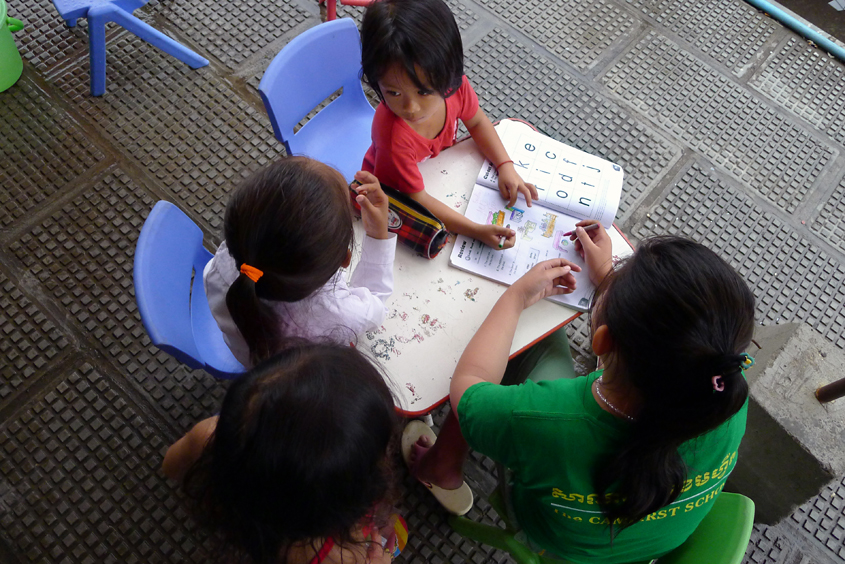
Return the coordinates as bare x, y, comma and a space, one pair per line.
552, 435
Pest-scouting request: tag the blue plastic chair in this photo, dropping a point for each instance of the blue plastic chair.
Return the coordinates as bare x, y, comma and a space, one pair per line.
99, 13
309, 69
169, 260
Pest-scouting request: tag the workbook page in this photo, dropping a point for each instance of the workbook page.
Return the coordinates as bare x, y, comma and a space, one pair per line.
539, 237
567, 179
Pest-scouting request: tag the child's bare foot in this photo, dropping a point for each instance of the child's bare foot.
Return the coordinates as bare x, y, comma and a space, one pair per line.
424, 466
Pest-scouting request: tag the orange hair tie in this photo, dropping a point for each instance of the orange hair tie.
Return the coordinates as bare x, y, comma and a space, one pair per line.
251, 272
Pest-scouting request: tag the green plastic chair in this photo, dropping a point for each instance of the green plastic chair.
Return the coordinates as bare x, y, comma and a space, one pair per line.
721, 538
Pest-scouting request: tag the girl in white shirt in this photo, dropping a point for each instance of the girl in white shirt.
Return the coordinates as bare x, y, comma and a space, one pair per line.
288, 233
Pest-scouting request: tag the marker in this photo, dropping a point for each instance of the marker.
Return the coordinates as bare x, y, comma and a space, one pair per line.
588, 228
502, 238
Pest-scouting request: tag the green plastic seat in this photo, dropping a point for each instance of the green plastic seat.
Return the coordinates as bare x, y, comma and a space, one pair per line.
721, 538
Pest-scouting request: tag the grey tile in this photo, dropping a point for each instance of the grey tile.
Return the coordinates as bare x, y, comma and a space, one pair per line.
823, 518
46, 40
752, 141
30, 340
731, 32
82, 255
80, 482
231, 31
185, 127
768, 546
464, 16
809, 82
42, 150
577, 32
830, 223
564, 108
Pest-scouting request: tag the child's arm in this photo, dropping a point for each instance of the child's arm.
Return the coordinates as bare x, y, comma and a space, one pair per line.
458, 223
510, 183
362, 305
183, 453
486, 355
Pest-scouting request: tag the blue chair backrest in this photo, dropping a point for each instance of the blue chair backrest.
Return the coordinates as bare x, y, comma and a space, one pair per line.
308, 70
169, 260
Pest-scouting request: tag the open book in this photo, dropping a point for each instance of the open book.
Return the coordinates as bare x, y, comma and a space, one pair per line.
572, 185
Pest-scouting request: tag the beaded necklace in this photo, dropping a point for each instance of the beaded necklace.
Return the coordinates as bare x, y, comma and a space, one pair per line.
608, 404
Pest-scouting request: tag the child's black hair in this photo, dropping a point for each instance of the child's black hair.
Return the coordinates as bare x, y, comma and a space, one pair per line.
678, 315
292, 221
300, 452
414, 34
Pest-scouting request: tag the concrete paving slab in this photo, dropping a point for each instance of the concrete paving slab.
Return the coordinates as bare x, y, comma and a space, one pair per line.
31, 341
577, 32
563, 106
81, 481
824, 519
43, 150
830, 223
792, 279
464, 15
187, 128
46, 40
81, 256
718, 117
230, 31
732, 33
807, 81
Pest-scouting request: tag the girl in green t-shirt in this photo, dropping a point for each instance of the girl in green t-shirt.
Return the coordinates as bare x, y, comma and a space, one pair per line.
669, 326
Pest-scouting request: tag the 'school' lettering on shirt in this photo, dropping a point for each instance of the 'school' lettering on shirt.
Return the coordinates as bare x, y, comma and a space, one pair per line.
397, 149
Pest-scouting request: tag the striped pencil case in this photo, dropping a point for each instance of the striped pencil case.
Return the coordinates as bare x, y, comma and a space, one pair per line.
414, 225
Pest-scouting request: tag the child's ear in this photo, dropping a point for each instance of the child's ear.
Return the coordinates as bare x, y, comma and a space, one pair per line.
348, 260
602, 341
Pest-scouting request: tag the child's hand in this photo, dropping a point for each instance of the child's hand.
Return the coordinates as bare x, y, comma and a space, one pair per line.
547, 278
595, 248
511, 185
378, 554
374, 205
491, 235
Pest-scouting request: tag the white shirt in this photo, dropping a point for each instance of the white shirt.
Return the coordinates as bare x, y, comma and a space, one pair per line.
338, 311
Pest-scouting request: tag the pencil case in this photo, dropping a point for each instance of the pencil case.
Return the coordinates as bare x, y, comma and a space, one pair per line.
415, 226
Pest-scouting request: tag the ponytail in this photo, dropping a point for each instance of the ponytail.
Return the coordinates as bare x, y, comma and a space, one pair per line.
678, 316
256, 321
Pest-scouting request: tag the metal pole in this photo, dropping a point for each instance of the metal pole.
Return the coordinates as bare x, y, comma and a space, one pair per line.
832, 391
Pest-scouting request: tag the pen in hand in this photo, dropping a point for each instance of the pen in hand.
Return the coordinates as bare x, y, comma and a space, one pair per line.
503, 237
588, 228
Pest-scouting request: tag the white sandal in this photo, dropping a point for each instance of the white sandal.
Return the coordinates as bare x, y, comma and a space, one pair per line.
456, 502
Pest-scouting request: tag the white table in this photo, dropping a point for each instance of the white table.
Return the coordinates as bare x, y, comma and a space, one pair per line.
436, 309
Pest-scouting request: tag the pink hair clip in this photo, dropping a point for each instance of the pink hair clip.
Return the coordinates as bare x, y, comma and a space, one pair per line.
718, 385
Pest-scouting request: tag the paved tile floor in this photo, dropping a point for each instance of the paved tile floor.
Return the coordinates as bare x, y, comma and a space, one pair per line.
730, 127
